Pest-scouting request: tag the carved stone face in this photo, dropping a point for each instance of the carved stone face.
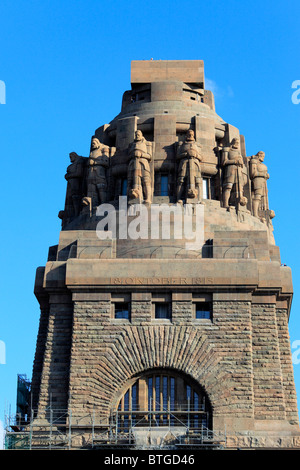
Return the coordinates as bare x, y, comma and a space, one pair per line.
138, 135
235, 143
95, 144
190, 135
73, 156
261, 156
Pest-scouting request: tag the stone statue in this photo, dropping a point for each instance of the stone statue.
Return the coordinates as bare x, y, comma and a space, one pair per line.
232, 165
74, 177
259, 176
98, 162
189, 168
139, 174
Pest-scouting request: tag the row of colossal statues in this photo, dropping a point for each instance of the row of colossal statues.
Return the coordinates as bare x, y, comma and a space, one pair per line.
140, 181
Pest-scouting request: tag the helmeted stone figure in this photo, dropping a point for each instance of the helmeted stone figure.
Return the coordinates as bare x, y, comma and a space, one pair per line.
232, 165
139, 174
189, 168
259, 176
98, 162
74, 176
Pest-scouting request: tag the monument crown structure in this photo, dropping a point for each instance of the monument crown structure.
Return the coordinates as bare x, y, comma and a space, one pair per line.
144, 340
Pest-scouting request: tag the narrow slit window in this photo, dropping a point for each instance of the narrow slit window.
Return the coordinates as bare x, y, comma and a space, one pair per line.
124, 187
164, 185
205, 188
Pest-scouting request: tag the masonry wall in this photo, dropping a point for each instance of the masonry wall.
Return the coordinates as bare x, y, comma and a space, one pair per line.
85, 358
235, 357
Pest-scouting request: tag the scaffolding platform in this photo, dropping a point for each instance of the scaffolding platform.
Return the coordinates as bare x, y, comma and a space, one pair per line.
57, 429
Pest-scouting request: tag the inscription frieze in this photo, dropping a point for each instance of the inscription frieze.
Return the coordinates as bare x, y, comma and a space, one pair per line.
158, 280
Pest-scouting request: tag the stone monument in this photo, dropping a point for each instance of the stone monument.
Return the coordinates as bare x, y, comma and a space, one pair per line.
139, 331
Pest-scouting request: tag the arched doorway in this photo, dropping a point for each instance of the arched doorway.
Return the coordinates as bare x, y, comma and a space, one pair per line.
163, 397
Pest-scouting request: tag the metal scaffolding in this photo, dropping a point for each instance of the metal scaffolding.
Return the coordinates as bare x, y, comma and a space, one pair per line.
137, 429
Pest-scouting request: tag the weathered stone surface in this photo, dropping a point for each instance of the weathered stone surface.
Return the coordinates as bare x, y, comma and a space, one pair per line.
228, 302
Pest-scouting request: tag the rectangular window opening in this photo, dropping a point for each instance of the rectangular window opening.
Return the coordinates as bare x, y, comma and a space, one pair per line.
162, 310
122, 311
124, 187
205, 188
164, 185
203, 310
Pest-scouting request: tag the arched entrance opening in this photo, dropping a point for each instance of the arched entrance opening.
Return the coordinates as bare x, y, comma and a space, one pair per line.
163, 397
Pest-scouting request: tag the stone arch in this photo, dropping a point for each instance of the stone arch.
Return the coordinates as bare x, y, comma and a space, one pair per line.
136, 349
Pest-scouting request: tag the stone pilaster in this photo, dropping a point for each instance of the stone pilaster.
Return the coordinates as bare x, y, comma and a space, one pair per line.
233, 343
39, 353
268, 380
288, 384
55, 373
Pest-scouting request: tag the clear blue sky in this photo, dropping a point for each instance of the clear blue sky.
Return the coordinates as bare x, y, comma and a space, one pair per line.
65, 65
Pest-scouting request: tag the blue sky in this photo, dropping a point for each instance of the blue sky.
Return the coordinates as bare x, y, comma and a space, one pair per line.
66, 64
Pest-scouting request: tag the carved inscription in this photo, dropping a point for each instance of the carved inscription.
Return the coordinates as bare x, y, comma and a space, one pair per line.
160, 280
